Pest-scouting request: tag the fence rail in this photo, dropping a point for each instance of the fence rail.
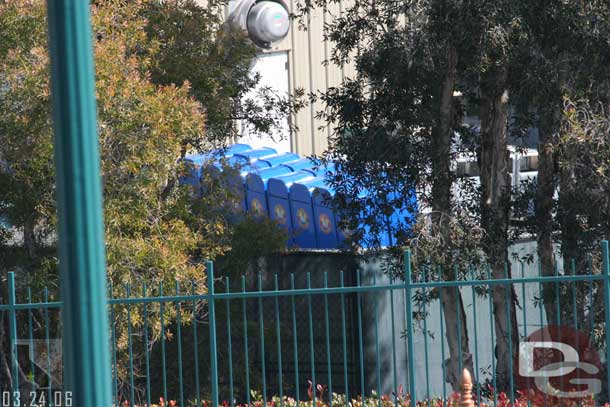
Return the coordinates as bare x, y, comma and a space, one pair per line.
305, 337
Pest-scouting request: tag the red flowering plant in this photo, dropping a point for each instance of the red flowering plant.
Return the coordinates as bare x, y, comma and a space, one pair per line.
398, 398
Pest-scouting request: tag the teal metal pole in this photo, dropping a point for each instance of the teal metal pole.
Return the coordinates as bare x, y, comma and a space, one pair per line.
179, 340
245, 333
213, 347
261, 327
409, 311
295, 347
279, 343
79, 202
606, 270
132, 389
13, 336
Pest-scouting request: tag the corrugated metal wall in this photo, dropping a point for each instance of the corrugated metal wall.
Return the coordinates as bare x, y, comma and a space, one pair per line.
307, 52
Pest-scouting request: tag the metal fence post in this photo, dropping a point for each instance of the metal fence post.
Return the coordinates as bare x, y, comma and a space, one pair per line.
606, 271
409, 312
13, 335
212, 317
79, 203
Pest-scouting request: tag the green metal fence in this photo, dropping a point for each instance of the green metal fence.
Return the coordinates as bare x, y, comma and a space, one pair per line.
282, 335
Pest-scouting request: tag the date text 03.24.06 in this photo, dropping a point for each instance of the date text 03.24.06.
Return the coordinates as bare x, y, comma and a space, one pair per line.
41, 398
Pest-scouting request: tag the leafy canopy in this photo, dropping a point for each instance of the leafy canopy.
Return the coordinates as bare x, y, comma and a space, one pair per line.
148, 119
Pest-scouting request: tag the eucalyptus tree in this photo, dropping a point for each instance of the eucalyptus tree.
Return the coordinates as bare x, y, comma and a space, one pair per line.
395, 127
582, 152
398, 120
563, 53
155, 232
499, 32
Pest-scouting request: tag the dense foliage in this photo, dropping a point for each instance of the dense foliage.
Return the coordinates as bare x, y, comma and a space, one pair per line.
437, 81
148, 118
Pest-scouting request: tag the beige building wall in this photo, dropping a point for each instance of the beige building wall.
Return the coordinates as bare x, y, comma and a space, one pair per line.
307, 51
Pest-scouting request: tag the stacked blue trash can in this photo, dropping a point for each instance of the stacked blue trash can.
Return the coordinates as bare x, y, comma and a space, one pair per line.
284, 187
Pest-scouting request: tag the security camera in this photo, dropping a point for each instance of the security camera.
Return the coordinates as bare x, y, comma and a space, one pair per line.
266, 21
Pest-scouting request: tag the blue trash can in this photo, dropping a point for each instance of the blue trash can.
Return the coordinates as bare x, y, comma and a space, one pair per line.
256, 201
196, 164
300, 164
251, 156
276, 160
326, 228
303, 220
234, 149
285, 167
279, 207
368, 237
276, 171
236, 186
278, 197
404, 217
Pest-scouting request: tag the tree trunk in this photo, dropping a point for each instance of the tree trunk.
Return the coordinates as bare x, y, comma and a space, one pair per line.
452, 304
29, 237
544, 207
6, 380
571, 250
570, 229
495, 205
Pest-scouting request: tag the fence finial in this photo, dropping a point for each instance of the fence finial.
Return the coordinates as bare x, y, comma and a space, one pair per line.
466, 399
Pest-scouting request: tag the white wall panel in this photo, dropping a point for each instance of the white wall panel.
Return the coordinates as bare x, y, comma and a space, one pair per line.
306, 53
273, 70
